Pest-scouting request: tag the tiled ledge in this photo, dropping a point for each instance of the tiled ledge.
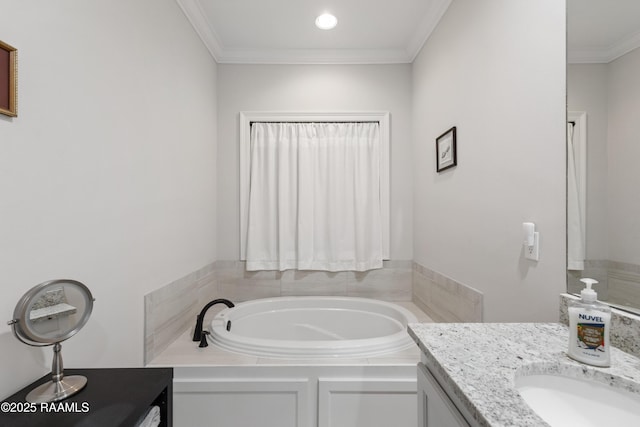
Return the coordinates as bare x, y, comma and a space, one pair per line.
391, 283
625, 327
171, 309
618, 282
444, 299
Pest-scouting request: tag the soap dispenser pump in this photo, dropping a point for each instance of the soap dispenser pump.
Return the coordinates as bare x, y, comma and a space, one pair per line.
589, 323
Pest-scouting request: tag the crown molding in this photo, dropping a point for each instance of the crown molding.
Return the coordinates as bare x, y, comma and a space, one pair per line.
313, 56
605, 55
587, 56
196, 16
194, 13
435, 13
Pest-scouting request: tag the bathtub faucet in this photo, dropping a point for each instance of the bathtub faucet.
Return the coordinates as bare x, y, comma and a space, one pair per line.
197, 333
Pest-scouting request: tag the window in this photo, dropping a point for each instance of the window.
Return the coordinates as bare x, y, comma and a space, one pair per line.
381, 125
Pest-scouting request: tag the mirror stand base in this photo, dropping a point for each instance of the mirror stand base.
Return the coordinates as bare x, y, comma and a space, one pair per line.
60, 387
54, 391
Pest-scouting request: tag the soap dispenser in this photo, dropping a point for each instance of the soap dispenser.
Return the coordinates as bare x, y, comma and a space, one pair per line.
589, 323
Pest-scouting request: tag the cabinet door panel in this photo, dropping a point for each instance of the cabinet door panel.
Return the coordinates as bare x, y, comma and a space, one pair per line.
381, 402
241, 403
435, 408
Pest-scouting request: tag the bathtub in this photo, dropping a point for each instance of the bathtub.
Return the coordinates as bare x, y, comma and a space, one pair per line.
313, 327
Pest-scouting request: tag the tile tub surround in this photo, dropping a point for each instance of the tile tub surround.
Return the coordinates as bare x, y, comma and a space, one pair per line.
445, 299
478, 362
393, 282
618, 282
625, 327
172, 309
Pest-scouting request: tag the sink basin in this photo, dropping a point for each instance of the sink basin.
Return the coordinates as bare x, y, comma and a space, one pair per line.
565, 401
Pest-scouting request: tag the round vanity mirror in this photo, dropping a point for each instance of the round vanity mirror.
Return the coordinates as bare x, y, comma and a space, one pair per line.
47, 314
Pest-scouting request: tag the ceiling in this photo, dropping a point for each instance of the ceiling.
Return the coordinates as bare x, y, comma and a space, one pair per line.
601, 30
284, 31
379, 31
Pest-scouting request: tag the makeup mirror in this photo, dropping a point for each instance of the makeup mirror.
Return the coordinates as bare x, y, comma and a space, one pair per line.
48, 314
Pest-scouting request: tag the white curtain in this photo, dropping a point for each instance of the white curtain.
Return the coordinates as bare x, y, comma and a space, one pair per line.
314, 197
575, 237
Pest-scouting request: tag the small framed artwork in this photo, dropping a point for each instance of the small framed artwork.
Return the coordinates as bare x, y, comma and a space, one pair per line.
446, 155
8, 80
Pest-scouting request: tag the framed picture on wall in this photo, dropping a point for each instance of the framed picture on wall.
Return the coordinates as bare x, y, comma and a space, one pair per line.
446, 152
8, 80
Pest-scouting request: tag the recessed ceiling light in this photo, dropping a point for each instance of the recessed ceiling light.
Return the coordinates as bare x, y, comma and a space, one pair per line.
326, 21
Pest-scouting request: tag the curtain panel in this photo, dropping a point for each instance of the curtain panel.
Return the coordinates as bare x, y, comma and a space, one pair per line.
314, 197
575, 237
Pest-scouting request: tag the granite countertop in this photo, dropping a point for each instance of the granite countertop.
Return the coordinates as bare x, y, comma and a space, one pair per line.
478, 364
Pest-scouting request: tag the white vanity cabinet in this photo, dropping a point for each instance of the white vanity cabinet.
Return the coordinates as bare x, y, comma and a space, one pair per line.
435, 407
295, 396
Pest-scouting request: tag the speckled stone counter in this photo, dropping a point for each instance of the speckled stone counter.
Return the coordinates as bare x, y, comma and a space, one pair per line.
477, 364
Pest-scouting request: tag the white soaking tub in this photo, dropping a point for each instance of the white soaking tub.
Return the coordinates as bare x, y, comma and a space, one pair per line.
313, 327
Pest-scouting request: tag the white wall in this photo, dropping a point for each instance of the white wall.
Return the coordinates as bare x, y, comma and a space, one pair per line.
496, 70
587, 91
314, 88
107, 175
623, 154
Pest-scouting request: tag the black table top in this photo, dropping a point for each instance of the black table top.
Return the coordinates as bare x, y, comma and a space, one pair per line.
113, 397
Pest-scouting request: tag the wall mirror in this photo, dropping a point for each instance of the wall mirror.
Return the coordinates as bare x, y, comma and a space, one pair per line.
603, 147
48, 314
